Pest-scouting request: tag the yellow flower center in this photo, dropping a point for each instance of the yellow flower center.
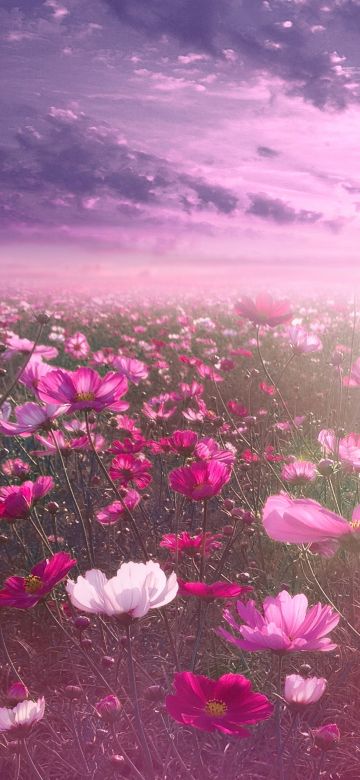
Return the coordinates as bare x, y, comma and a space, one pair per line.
85, 396
355, 524
215, 708
32, 583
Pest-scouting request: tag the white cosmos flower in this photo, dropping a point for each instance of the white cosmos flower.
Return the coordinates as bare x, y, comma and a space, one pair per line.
136, 588
301, 691
23, 716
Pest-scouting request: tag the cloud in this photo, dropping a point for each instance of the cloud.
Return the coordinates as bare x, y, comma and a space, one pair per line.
266, 151
69, 169
276, 210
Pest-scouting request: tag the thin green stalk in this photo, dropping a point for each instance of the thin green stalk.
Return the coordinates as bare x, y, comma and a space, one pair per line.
139, 725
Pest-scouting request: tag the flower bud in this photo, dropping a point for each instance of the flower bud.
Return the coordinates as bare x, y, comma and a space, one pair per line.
42, 318
228, 504
107, 661
73, 692
17, 692
326, 737
82, 622
109, 708
228, 530
154, 693
301, 691
325, 467
52, 507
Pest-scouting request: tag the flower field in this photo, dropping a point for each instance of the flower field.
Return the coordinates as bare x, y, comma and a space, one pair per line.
179, 541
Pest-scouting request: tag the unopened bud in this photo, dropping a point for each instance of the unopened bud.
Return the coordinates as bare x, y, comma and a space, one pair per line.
325, 467
109, 708
17, 692
326, 737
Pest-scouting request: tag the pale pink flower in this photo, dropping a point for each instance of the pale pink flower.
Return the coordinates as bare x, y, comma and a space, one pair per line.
134, 370
299, 472
288, 625
77, 346
16, 345
33, 372
19, 720
30, 417
353, 380
264, 310
303, 521
135, 589
303, 342
301, 691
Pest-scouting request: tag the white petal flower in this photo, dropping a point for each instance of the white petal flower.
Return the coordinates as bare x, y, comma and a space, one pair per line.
23, 716
302, 691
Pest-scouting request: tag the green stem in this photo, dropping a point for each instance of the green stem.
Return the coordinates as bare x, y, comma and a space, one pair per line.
139, 725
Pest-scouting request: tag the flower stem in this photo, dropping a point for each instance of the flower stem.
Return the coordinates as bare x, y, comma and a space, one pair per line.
31, 762
139, 725
22, 367
278, 722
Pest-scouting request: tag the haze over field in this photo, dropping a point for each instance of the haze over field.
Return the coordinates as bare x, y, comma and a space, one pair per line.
153, 143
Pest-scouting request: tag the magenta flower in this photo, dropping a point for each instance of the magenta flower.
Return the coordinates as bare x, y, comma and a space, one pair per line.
264, 310
33, 372
185, 544
217, 590
15, 467
299, 472
326, 737
183, 442
223, 705
287, 625
77, 346
25, 592
201, 480
134, 370
208, 449
30, 417
303, 521
128, 468
112, 513
16, 501
82, 389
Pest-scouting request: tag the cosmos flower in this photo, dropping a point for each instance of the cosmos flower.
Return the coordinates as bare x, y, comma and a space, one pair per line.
183, 442
66, 445
303, 521
201, 480
15, 345
135, 589
77, 346
223, 705
287, 625
112, 513
16, 501
208, 449
15, 467
82, 389
18, 721
31, 417
185, 544
26, 592
33, 372
264, 310
217, 590
326, 737
299, 472
301, 691
303, 342
128, 468
134, 370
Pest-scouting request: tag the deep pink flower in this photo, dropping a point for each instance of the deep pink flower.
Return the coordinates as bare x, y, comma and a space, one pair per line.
134, 370
33, 372
82, 389
217, 590
237, 409
16, 501
25, 592
287, 625
77, 346
201, 480
264, 310
208, 449
128, 445
31, 417
15, 467
183, 442
299, 472
267, 389
112, 513
223, 705
303, 521
128, 468
190, 545
326, 737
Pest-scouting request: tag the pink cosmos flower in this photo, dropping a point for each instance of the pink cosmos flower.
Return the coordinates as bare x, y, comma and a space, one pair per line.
134, 370
183, 442
353, 380
304, 521
267, 389
201, 480
128, 468
186, 391
16, 345
301, 691
82, 389
287, 625
15, 467
25, 592
217, 590
223, 705
299, 472
208, 449
129, 445
16, 692
160, 408
33, 372
237, 409
349, 451
264, 310
185, 544
30, 417
112, 513
16, 501
66, 445
303, 342
77, 346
